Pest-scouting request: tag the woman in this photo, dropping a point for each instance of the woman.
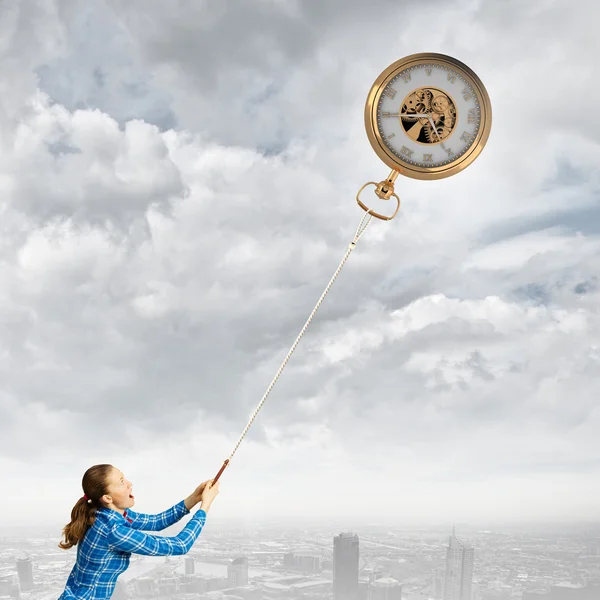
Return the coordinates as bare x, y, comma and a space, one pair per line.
106, 531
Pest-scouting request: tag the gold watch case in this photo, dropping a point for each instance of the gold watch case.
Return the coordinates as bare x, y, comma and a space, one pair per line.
456, 69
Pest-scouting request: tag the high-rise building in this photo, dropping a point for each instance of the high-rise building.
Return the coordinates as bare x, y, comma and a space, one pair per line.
386, 588
189, 565
458, 580
288, 560
308, 563
25, 571
345, 566
237, 572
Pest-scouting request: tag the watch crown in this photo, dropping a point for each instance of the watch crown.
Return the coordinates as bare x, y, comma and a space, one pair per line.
385, 188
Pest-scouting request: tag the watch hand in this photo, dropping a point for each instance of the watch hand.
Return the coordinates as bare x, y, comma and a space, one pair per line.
415, 115
433, 126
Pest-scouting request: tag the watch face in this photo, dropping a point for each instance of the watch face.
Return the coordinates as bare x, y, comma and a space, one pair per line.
428, 116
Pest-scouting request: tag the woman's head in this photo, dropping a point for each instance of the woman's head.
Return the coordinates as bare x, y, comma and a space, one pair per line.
117, 494
105, 487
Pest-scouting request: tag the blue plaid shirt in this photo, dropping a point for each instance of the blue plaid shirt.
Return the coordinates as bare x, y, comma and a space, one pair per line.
104, 552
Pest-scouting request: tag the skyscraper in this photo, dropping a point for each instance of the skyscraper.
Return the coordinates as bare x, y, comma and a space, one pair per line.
25, 571
459, 570
345, 566
386, 588
237, 572
189, 566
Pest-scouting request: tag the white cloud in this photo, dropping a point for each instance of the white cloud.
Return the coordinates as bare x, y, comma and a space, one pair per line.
153, 279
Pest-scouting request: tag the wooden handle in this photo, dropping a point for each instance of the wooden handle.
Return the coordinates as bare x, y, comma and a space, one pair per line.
225, 463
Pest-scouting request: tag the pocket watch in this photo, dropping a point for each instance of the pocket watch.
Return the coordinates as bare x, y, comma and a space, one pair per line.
427, 116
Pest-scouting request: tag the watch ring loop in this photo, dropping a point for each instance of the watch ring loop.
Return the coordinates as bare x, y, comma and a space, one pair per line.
371, 211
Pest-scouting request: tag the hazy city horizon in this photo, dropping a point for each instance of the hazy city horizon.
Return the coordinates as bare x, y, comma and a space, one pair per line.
228, 523
275, 562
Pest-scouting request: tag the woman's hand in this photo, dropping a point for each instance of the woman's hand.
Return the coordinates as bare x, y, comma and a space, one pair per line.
209, 493
196, 495
198, 491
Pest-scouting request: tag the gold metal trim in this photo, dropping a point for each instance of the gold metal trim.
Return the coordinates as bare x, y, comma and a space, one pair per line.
384, 190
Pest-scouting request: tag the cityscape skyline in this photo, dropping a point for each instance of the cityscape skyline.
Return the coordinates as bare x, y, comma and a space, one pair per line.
280, 565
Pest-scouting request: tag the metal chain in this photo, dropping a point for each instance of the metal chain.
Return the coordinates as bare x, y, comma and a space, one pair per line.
364, 223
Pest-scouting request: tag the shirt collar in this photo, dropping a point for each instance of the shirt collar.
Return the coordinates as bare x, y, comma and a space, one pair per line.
112, 516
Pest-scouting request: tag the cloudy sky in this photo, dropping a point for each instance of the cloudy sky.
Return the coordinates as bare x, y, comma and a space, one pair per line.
177, 186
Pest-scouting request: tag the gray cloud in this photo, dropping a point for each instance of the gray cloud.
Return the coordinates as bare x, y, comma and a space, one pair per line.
153, 279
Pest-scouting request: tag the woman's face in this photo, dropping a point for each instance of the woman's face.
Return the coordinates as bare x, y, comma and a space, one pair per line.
119, 491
